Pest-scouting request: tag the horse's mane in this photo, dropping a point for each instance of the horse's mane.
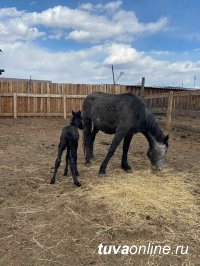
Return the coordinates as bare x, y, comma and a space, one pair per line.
153, 127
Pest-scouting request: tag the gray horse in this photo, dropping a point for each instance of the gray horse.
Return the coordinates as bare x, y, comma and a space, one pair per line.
123, 115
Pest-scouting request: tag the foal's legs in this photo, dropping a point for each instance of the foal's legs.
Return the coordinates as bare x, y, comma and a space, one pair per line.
75, 158
116, 141
126, 145
61, 148
67, 159
73, 161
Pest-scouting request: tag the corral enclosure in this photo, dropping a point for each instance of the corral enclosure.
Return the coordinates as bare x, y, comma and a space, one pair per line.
43, 224
37, 98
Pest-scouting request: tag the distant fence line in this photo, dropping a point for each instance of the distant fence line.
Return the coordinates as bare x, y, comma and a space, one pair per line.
187, 102
47, 87
56, 88
39, 100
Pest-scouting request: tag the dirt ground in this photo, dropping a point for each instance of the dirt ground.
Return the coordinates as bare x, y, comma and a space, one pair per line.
43, 224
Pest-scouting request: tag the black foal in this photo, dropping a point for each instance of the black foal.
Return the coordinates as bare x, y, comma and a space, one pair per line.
69, 139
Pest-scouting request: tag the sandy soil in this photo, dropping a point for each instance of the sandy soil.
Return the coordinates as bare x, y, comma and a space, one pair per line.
43, 224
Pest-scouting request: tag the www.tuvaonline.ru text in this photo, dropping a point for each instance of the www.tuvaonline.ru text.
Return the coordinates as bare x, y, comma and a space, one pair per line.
149, 249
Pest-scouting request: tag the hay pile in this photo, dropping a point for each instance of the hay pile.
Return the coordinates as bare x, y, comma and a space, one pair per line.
143, 196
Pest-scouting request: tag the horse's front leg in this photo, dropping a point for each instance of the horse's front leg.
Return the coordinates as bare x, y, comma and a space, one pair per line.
126, 145
116, 141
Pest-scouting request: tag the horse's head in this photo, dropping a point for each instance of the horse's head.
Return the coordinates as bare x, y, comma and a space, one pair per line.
77, 119
156, 153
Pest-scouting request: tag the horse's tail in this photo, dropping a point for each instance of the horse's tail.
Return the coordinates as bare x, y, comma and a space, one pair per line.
83, 142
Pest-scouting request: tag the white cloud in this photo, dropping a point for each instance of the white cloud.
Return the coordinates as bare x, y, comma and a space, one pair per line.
93, 65
110, 6
13, 28
10, 12
107, 27
113, 5
86, 6
81, 24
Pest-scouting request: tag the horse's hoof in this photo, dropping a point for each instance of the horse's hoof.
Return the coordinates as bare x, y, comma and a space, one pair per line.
52, 182
78, 184
101, 174
88, 164
127, 169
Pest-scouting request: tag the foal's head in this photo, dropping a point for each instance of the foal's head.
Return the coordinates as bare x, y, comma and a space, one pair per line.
156, 153
77, 120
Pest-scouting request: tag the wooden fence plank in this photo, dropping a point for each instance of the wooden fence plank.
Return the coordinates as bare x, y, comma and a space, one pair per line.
64, 107
169, 111
15, 104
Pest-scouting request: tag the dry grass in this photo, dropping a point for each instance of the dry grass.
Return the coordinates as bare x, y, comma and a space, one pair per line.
145, 196
42, 224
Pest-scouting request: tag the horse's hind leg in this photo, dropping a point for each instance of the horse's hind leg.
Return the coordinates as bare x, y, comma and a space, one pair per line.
77, 173
93, 135
116, 141
67, 159
73, 162
61, 148
87, 138
126, 145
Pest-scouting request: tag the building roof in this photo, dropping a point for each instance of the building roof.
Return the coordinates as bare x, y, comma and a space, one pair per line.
161, 87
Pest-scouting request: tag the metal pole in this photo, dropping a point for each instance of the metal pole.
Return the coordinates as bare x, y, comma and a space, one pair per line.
142, 87
113, 75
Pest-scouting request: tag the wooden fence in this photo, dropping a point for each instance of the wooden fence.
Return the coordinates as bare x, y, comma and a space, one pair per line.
26, 104
187, 102
58, 88
170, 105
49, 99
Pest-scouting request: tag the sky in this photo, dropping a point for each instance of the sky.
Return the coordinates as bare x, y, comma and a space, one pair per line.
79, 41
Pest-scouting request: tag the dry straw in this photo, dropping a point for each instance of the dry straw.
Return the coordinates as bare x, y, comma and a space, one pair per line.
143, 195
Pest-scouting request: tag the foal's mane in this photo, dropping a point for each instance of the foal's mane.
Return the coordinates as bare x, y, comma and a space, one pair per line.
72, 121
153, 127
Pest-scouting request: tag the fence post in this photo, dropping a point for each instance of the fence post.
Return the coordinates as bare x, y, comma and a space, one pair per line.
64, 107
169, 111
15, 104
48, 99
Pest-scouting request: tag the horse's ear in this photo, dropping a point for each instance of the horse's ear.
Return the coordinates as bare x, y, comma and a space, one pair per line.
166, 139
73, 112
